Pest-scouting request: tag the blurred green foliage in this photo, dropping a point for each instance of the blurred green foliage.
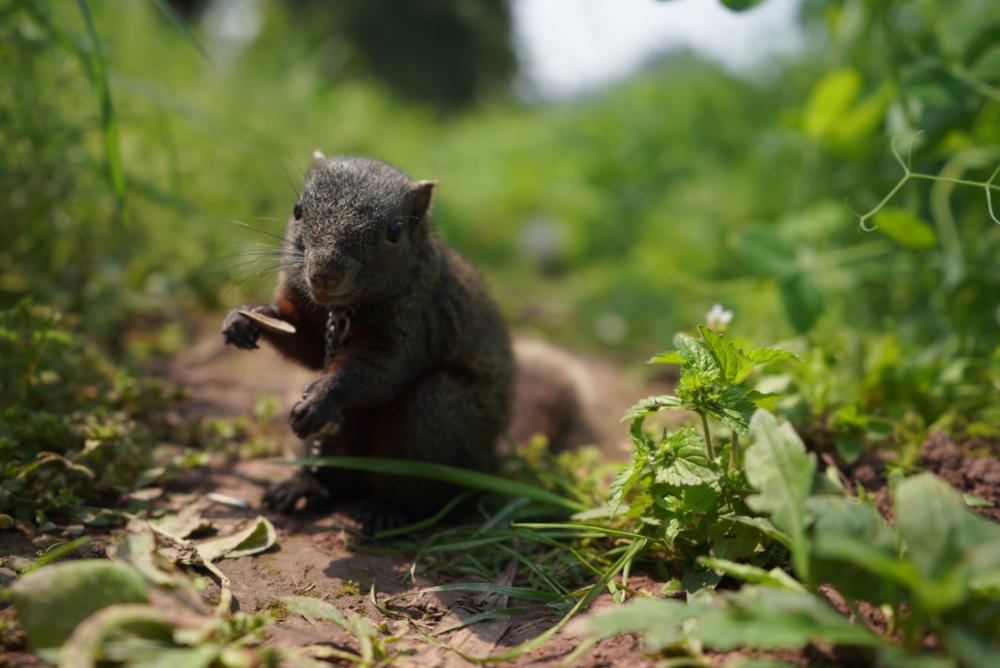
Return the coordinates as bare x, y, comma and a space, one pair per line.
608, 222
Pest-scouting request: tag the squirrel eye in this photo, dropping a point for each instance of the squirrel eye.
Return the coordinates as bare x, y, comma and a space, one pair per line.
395, 229
297, 211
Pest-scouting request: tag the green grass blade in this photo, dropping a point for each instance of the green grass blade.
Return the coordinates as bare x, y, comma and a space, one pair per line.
181, 25
423, 524
109, 120
579, 527
442, 473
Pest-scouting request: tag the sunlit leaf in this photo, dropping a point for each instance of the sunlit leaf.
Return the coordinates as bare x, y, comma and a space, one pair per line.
652, 405
52, 601
672, 357
683, 460
734, 364
906, 228
778, 466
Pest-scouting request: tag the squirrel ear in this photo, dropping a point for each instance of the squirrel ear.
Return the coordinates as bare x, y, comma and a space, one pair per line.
318, 156
422, 201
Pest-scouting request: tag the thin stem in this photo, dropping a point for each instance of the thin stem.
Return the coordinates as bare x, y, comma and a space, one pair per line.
734, 452
708, 435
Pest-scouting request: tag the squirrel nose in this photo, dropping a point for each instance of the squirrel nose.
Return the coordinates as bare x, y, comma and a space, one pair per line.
325, 281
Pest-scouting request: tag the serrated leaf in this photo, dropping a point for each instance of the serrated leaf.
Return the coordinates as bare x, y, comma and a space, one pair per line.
672, 357
628, 476
683, 460
697, 356
257, 536
778, 466
732, 408
651, 405
765, 355
52, 601
691, 499
734, 364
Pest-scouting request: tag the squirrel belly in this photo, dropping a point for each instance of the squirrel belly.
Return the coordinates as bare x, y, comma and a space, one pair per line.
415, 360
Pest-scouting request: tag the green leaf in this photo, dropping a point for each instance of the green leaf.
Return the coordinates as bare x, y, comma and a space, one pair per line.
829, 102
906, 228
941, 534
734, 364
747, 573
769, 618
732, 407
697, 355
135, 626
765, 355
683, 460
802, 300
841, 521
651, 405
257, 536
630, 474
673, 357
778, 466
52, 601
755, 617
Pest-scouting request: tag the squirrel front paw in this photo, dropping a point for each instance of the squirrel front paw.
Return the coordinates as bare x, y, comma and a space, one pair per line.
239, 330
315, 411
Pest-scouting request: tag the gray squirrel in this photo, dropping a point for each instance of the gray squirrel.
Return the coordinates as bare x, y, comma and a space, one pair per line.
416, 360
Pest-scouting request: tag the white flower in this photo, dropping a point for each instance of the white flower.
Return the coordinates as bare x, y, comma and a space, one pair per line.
718, 318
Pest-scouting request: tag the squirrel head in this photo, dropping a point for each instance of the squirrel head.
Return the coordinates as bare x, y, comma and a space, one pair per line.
360, 230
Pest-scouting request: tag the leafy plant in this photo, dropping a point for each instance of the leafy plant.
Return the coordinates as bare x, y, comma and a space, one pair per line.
691, 497
934, 573
73, 428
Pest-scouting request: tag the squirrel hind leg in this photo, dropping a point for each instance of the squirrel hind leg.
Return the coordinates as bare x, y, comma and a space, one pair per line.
443, 420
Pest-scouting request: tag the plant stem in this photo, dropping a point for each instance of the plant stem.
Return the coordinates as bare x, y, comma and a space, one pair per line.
734, 452
708, 435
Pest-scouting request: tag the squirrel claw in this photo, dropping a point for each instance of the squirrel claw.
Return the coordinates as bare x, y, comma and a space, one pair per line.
307, 418
240, 331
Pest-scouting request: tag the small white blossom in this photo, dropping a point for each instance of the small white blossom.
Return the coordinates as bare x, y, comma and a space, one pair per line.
718, 318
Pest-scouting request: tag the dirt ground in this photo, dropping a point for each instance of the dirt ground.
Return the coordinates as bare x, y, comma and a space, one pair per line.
313, 553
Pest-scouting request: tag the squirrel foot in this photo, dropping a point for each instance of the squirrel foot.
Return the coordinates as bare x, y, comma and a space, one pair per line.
375, 517
285, 496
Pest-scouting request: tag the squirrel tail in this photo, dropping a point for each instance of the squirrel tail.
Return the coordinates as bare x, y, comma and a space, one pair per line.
551, 392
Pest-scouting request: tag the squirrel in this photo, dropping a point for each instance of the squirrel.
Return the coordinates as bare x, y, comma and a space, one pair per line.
416, 359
